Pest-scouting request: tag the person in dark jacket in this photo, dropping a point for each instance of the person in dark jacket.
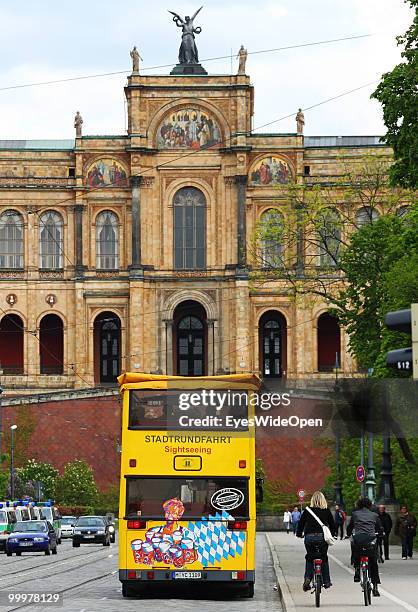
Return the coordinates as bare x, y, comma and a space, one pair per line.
386, 521
406, 529
363, 527
339, 518
314, 538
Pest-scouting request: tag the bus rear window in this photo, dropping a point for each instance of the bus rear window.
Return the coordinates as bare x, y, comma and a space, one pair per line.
198, 496
163, 409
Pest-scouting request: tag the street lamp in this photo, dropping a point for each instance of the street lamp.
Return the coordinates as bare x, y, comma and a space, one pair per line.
12, 452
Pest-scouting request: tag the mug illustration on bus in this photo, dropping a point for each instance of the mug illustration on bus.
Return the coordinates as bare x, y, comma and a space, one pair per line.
206, 541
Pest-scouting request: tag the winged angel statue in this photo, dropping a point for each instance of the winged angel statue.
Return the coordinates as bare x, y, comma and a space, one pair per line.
188, 50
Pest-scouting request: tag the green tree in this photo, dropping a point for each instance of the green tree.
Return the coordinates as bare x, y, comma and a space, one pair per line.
37, 471
398, 94
76, 485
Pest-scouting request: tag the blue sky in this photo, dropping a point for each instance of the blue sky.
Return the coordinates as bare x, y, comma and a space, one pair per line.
43, 40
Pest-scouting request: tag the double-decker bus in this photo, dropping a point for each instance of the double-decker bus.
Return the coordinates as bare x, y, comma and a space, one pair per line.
188, 484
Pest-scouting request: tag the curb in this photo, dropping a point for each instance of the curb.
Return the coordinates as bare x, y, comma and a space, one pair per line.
282, 587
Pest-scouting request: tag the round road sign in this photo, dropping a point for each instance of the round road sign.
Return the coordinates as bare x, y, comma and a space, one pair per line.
360, 473
301, 493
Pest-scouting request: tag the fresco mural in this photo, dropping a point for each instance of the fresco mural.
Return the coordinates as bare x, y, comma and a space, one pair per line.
271, 171
106, 171
206, 541
188, 128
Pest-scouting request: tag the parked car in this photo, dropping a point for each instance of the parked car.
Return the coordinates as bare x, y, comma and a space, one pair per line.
50, 513
32, 536
7, 523
67, 526
91, 530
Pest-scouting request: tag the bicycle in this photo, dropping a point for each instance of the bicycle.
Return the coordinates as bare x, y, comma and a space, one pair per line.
317, 581
365, 582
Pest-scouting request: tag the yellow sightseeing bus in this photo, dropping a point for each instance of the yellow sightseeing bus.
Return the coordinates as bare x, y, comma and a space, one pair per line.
188, 486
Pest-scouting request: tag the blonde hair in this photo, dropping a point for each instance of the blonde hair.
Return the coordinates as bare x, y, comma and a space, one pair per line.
318, 500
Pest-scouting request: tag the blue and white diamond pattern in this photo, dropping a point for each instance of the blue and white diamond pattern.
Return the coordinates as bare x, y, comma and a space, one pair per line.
213, 540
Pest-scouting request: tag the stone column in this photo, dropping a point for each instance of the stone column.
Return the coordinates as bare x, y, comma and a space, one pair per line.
169, 346
300, 239
79, 268
241, 182
211, 347
135, 267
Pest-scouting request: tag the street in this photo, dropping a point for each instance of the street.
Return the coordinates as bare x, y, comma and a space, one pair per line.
399, 588
87, 578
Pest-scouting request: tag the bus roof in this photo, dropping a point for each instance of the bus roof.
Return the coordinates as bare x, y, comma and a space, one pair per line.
135, 380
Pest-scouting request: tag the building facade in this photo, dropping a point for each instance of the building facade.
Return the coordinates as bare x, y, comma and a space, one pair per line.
130, 252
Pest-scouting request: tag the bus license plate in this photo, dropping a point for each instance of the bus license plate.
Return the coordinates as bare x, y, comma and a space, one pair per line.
187, 575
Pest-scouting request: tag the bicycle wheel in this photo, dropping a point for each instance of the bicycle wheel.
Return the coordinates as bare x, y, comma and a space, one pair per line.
318, 584
369, 592
365, 586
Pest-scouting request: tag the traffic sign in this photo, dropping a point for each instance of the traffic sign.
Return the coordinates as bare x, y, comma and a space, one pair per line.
360, 473
301, 493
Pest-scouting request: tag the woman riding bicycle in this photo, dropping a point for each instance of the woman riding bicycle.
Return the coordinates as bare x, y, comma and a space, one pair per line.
363, 526
314, 538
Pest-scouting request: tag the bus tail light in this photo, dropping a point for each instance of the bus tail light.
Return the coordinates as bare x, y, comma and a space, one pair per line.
240, 575
237, 524
137, 524
131, 575
242, 463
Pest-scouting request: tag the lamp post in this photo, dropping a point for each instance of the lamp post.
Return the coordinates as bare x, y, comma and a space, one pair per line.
12, 453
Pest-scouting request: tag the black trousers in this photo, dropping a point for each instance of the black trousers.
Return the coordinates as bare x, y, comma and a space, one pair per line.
363, 546
340, 530
384, 542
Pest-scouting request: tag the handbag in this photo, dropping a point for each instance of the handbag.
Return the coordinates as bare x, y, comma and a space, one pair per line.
328, 537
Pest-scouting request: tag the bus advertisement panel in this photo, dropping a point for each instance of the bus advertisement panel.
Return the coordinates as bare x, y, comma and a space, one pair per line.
187, 496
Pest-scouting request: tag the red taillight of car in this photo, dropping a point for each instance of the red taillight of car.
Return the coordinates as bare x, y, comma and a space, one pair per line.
131, 575
150, 575
242, 463
237, 524
137, 524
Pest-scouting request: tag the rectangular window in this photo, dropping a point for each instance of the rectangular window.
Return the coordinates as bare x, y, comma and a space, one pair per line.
200, 496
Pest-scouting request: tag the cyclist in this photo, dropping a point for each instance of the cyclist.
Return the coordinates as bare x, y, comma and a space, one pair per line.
363, 527
314, 538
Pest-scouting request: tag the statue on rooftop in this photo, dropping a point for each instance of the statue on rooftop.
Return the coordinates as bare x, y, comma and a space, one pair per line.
300, 121
78, 122
188, 51
135, 60
242, 55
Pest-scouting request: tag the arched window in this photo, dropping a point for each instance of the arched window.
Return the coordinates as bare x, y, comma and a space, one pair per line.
273, 332
328, 227
11, 344
107, 354
11, 239
190, 333
107, 241
329, 343
51, 345
366, 214
271, 238
50, 240
189, 208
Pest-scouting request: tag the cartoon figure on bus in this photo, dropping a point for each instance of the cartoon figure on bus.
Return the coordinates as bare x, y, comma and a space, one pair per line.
206, 541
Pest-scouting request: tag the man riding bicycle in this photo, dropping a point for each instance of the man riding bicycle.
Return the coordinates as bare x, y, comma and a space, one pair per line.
363, 527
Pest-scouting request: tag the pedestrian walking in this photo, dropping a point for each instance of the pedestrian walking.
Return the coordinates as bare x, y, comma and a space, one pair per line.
295, 519
406, 529
287, 519
309, 526
339, 519
386, 521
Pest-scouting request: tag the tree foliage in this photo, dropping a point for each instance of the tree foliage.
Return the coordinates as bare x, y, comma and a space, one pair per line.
398, 94
37, 471
76, 485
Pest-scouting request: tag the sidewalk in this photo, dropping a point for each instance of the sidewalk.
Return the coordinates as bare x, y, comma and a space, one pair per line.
399, 588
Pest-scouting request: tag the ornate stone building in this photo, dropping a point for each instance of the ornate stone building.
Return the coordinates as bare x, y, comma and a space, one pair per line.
129, 252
